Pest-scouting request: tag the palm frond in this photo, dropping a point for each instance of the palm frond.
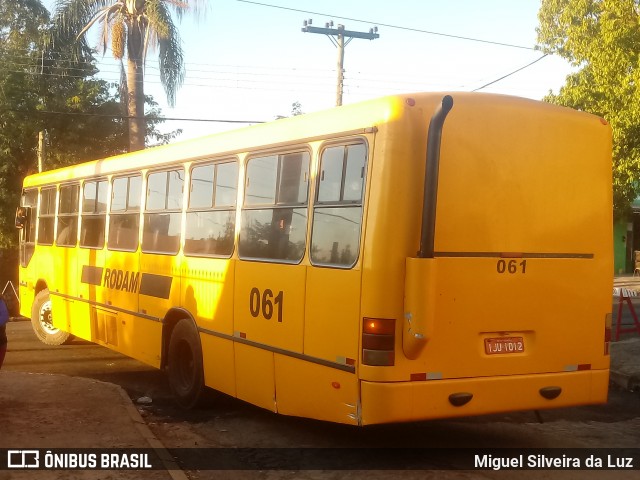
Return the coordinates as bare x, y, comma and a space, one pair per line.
71, 16
180, 7
169, 45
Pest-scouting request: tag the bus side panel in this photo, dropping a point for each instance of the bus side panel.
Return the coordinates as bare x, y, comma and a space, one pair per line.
218, 362
255, 378
332, 314
310, 390
86, 322
269, 304
65, 265
207, 294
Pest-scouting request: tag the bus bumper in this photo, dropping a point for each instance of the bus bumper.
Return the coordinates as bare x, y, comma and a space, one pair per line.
424, 400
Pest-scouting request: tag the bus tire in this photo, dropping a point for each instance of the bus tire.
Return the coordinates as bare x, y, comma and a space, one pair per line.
41, 321
185, 370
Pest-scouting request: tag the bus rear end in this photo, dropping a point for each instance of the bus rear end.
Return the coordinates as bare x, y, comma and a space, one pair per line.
496, 266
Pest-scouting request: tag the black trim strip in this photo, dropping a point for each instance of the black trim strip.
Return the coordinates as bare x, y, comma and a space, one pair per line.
91, 275
108, 307
153, 285
262, 346
514, 255
287, 353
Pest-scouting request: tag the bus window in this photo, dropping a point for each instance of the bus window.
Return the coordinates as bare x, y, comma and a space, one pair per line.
162, 217
211, 216
124, 218
68, 216
28, 233
274, 216
46, 216
94, 210
335, 239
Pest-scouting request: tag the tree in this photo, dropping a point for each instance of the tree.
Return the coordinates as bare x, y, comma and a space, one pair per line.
39, 91
601, 38
130, 27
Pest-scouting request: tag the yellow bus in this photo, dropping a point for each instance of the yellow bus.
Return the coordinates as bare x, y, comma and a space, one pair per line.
406, 258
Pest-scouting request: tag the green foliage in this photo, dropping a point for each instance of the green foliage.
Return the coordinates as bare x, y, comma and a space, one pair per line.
45, 90
601, 38
131, 29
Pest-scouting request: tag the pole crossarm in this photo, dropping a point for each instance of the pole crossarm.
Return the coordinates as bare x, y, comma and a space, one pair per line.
339, 41
341, 31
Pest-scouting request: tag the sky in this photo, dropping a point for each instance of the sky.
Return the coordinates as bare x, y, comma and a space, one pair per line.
250, 61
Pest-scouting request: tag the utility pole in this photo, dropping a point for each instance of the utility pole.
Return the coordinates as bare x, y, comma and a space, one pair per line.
339, 33
41, 149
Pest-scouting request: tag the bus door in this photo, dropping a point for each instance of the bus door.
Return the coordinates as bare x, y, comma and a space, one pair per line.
270, 279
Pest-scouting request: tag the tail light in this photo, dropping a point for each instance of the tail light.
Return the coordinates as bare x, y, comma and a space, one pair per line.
378, 341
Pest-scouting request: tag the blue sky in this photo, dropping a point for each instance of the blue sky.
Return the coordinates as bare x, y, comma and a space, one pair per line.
249, 61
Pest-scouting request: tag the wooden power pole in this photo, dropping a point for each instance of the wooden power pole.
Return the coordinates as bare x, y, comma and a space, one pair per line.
340, 34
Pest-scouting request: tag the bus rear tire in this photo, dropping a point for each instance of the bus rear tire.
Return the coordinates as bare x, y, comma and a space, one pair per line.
185, 370
42, 322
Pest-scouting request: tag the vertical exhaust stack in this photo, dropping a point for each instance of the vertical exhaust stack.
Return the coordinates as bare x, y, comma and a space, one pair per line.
434, 139
420, 276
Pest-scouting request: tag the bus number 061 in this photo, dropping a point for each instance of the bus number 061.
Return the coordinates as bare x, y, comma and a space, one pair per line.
512, 266
265, 303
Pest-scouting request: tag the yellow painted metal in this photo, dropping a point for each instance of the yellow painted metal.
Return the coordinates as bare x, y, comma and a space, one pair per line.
523, 249
314, 391
413, 401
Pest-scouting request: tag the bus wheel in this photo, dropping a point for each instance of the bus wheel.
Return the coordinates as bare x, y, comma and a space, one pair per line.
42, 321
185, 371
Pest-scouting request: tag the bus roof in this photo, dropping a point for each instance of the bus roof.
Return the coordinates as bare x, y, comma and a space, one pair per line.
350, 119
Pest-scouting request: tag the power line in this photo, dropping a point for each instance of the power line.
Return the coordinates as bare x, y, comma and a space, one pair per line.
126, 117
509, 74
458, 37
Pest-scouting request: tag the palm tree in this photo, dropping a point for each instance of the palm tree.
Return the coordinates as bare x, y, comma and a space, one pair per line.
131, 28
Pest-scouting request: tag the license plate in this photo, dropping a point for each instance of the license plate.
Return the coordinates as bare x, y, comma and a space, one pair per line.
493, 346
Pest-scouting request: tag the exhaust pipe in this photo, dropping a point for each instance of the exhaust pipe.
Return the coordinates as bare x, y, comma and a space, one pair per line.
434, 139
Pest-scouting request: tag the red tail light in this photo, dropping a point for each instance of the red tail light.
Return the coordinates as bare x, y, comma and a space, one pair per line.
378, 341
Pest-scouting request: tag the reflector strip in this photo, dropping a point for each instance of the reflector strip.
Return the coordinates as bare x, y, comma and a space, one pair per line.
421, 377
576, 368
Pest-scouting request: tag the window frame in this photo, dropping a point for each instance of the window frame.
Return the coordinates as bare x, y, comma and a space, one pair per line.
233, 209
128, 211
48, 216
68, 215
277, 203
96, 213
319, 205
147, 214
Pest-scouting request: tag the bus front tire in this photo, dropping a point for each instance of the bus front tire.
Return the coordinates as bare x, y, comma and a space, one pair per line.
42, 321
185, 371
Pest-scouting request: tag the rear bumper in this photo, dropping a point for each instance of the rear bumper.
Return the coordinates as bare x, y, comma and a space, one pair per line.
413, 401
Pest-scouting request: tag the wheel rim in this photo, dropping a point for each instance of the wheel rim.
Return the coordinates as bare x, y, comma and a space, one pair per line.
46, 320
